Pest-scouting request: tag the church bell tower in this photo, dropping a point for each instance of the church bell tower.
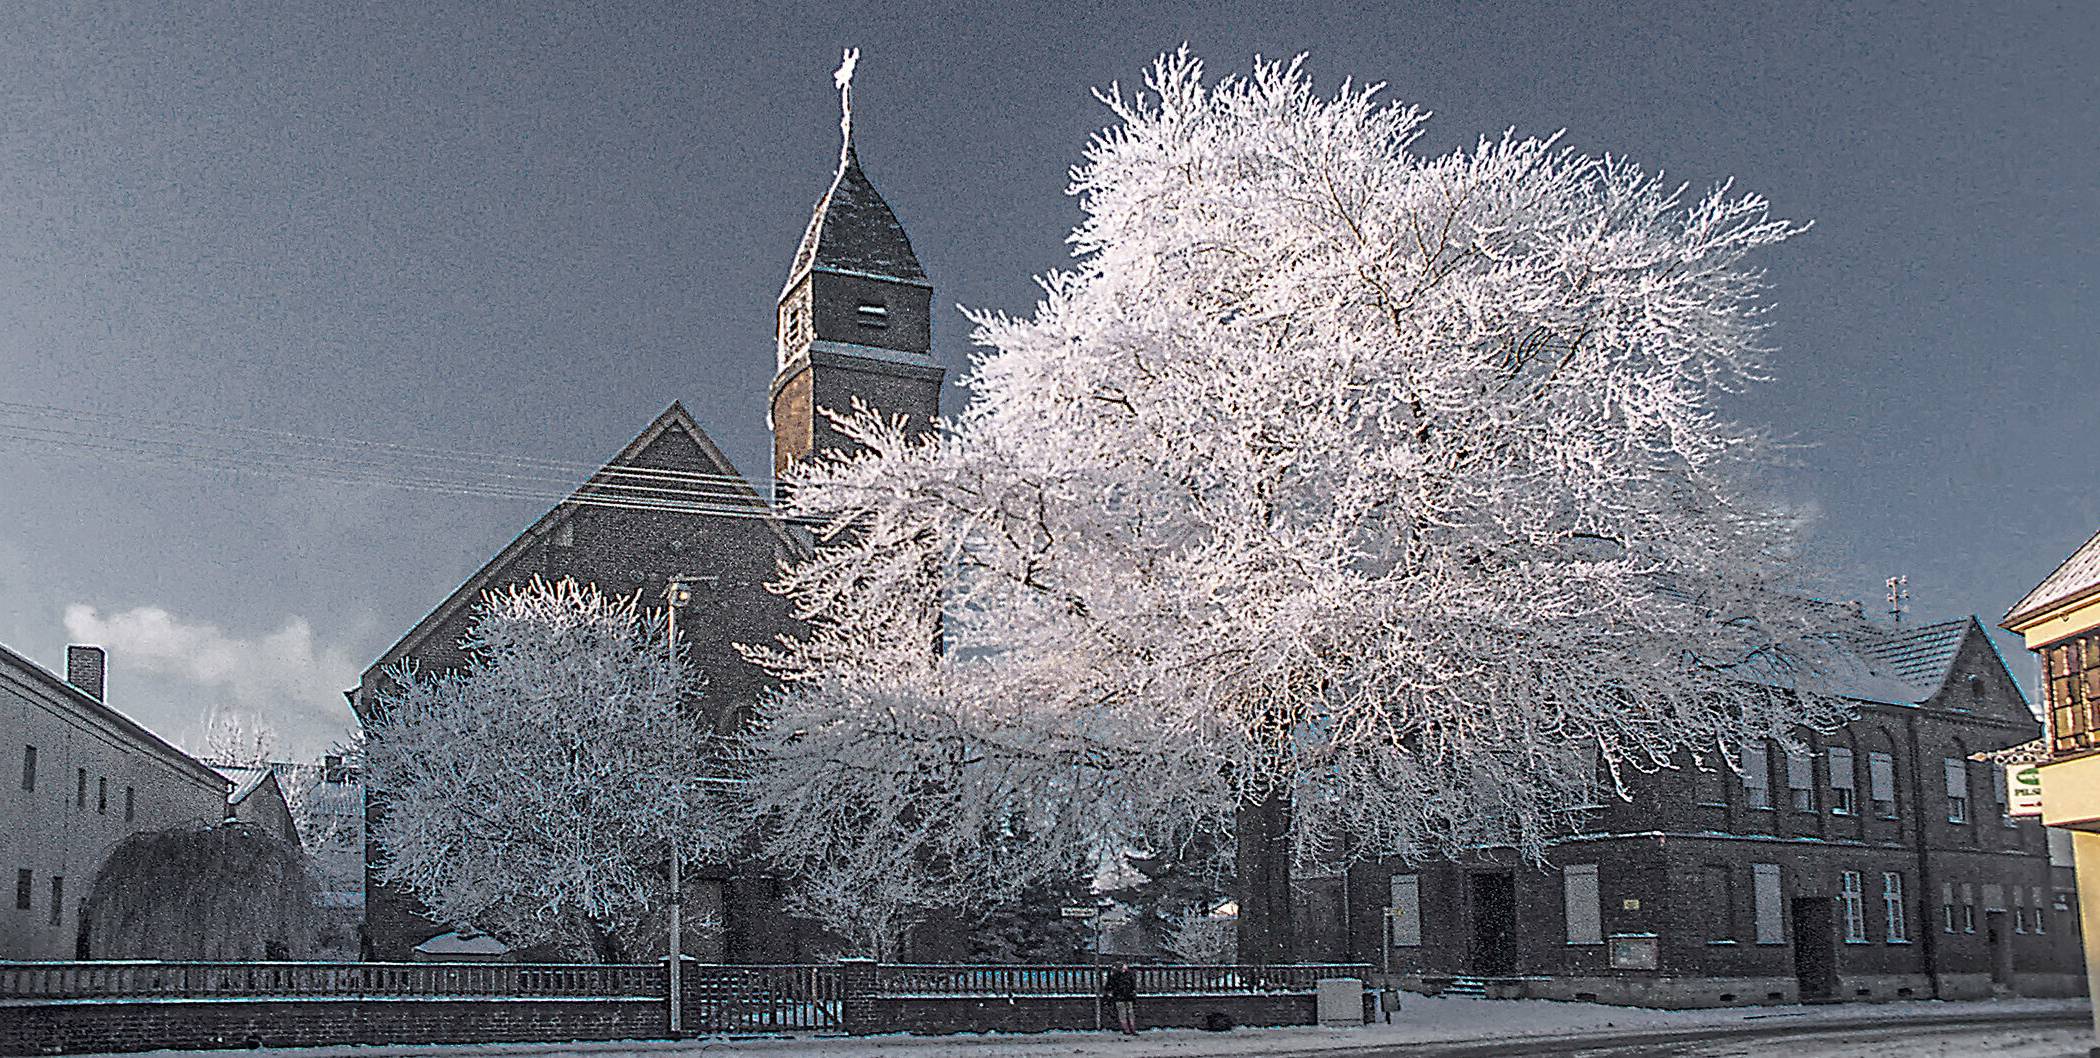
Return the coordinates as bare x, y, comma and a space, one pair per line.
855, 318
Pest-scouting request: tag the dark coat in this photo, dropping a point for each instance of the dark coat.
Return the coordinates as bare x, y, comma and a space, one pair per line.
1120, 986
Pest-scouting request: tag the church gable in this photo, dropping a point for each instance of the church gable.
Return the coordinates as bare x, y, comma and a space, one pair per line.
1978, 683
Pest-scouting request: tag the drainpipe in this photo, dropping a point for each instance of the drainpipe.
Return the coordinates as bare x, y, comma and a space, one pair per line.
1929, 933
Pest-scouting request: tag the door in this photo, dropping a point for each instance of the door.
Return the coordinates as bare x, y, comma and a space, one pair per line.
1492, 903
2001, 949
1815, 946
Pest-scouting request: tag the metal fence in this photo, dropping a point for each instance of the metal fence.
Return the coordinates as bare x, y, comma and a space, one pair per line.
1070, 980
788, 998
90, 980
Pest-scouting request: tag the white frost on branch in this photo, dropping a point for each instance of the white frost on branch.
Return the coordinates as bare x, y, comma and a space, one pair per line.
1395, 487
536, 793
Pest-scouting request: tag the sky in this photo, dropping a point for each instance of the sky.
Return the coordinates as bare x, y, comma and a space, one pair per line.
525, 229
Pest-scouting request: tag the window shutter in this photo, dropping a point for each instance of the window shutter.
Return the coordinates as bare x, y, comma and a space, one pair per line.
1800, 771
1407, 911
1585, 913
1841, 769
1881, 775
1764, 879
1957, 777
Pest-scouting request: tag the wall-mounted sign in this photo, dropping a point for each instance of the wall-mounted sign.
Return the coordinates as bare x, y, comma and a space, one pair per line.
2023, 789
1634, 951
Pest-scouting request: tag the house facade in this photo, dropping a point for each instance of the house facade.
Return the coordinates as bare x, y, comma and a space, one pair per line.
1883, 863
79, 778
852, 324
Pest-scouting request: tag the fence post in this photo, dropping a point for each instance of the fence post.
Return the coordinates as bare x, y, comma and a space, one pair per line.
857, 990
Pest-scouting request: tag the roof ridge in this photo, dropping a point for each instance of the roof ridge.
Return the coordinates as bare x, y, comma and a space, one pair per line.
2075, 575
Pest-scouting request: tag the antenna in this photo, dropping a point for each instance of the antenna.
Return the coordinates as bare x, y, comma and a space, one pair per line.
1899, 597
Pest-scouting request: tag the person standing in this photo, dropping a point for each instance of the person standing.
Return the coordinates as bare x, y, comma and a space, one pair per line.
1120, 989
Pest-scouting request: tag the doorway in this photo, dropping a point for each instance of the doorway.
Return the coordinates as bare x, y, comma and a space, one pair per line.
1491, 899
1815, 946
2001, 950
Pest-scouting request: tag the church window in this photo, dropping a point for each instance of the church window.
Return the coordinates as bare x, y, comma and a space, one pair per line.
873, 314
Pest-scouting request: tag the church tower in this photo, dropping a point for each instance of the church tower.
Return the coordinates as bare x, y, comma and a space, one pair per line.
855, 319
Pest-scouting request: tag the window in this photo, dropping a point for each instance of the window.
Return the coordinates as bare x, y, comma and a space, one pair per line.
1968, 908
1999, 784
1957, 789
28, 767
2036, 893
1842, 781
22, 886
1801, 781
1881, 784
1757, 777
80, 789
1947, 907
1892, 907
1707, 787
58, 899
1719, 898
2071, 689
873, 315
2019, 910
130, 804
1855, 911
102, 795
1585, 912
1764, 895
1406, 911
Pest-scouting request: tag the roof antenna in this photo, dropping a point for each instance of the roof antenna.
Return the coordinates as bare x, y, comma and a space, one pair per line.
843, 78
1899, 597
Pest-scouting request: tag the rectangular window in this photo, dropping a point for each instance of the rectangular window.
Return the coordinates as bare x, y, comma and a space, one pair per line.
1406, 911
1707, 787
2019, 910
58, 899
2071, 689
1585, 911
1842, 782
80, 789
2036, 892
1853, 906
28, 767
1881, 784
102, 795
131, 804
1719, 898
1957, 789
1947, 907
1968, 908
1757, 777
1801, 781
2003, 797
23, 884
1764, 894
1892, 907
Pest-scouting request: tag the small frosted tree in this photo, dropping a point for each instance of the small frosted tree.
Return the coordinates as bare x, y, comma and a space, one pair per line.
1363, 502
536, 794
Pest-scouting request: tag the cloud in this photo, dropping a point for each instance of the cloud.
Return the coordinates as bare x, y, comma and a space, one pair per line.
284, 680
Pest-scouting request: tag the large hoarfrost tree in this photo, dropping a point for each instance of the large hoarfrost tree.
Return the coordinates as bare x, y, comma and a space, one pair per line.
1366, 500
536, 794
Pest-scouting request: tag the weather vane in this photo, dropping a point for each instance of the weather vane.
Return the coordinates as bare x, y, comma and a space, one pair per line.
843, 77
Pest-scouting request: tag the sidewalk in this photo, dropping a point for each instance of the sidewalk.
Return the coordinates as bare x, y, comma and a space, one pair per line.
1420, 1020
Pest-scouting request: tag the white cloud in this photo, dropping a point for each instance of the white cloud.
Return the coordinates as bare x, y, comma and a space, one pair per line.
284, 680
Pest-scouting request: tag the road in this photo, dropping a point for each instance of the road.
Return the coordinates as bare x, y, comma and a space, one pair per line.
2032, 1036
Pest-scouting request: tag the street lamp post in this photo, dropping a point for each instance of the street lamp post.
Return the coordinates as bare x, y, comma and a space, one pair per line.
677, 594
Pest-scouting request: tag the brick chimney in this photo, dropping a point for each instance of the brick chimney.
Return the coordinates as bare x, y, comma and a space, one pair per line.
85, 667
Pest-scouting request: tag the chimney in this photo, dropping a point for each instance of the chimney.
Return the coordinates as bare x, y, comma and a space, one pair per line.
85, 667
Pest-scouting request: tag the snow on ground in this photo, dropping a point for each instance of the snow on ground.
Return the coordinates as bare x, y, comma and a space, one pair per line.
1448, 1019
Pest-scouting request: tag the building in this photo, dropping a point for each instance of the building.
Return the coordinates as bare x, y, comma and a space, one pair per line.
2060, 620
88, 777
1883, 864
257, 798
853, 322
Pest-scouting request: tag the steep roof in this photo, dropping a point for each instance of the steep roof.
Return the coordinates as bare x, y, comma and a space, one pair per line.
246, 780
739, 493
1920, 655
139, 733
853, 230
2079, 575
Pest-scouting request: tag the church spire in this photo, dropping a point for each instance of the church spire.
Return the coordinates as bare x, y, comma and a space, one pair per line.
843, 78
852, 230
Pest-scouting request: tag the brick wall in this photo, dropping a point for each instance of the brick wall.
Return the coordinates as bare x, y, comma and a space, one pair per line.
86, 1026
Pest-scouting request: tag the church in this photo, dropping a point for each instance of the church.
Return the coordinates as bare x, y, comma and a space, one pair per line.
853, 322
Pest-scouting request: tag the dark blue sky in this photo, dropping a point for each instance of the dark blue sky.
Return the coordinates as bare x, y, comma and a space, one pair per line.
528, 229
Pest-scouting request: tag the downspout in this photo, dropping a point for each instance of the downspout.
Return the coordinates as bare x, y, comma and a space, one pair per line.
1929, 933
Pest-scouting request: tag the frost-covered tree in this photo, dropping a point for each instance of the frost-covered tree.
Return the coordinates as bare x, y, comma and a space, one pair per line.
1364, 499
536, 793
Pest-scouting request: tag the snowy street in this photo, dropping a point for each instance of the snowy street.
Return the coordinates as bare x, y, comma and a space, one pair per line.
1446, 1027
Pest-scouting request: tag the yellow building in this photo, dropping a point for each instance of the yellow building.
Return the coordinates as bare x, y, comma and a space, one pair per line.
2060, 620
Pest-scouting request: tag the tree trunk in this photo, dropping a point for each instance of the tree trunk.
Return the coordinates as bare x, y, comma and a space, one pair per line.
1262, 881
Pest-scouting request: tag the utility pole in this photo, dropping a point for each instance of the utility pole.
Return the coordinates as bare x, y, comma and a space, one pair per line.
677, 594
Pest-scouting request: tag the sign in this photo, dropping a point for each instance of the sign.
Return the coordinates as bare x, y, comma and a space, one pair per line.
1630, 904
1078, 912
1634, 951
2023, 789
